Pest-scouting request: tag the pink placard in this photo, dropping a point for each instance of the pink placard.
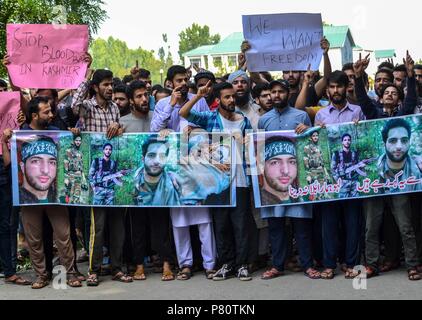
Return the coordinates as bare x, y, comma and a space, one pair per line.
46, 56
9, 109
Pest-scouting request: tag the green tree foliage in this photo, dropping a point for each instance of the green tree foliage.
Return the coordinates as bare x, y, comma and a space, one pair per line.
166, 57
88, 12
115, 55
195, 36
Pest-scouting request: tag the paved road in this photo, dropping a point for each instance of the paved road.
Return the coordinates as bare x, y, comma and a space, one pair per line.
292, 286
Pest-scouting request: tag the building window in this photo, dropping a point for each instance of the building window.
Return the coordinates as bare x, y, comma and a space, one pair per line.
196, 61
232, 60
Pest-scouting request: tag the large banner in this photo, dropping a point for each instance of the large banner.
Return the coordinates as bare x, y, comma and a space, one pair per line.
288, 41
56, 167
47, 56
345, 161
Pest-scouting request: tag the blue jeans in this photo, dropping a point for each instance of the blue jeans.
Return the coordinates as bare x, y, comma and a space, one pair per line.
5, 235
332, 213
279, 242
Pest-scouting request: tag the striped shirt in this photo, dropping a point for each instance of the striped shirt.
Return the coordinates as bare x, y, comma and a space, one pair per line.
96, 118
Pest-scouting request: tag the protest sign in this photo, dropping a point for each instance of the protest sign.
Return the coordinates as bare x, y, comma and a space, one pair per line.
343, 161
289, 41
46, 57
9, 109
136, 170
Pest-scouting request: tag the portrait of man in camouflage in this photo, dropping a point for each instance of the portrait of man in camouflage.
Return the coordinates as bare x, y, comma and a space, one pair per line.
74, 179
102, 177
314, 162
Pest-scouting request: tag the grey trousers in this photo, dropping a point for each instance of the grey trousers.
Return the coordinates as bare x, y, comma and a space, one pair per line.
401, 210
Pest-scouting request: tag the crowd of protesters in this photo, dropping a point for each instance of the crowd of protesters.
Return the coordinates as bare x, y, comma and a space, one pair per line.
320, 240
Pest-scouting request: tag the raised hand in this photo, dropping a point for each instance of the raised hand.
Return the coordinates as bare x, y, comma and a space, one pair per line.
6, 60
410, 64
325, 45
205, 90
245, 46
175, 96
360, 66
309, 74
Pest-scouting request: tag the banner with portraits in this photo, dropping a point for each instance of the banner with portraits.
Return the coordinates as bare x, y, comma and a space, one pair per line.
344, 161
132, 170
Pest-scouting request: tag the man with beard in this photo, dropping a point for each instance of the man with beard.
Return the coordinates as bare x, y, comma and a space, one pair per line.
244, 102
340, 111
121, 99
100, 170
39, 163
284, 117
74, 178
341, 161
166, 116
232, 225
314, 162
262, 93
418, 76
201, 79
400, 75
39, 168
101, 114
280, 171
394, 164
139, 118
140, 219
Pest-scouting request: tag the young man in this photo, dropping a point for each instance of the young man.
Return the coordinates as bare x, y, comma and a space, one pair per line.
391, 163
6, 260
121, 98
262, 93
101, 114
232, 225
244, 102
201, 79
39, 167
339, 111
139, 120
166, 116
285, 117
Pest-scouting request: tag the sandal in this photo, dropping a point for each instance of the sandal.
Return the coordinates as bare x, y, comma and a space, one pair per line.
371, 272
17, 280
167, 275
139, 273
92, 280
74, 282
327, 274
120, 276
351, 273
413, 275
388, 266
185, 273
271, 274
313, 273
209, 274
40, 283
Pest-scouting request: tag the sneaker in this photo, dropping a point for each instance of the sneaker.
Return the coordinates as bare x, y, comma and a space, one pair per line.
224, 273
243, 273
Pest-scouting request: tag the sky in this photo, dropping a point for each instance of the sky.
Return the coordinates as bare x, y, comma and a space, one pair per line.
375, 24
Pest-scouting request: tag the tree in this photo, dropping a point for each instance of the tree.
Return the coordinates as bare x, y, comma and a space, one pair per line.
166, 62
88, 12
195, 36
115, 55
